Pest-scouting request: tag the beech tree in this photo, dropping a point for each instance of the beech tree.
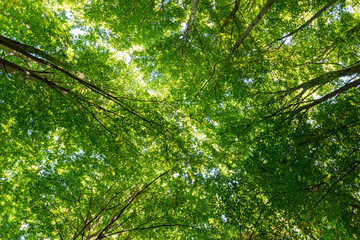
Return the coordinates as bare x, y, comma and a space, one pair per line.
179, 119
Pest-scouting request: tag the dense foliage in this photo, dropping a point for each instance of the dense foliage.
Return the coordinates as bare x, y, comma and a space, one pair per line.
179, 119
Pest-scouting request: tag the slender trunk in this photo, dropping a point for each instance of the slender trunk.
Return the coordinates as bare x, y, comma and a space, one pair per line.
256, 20
190, 23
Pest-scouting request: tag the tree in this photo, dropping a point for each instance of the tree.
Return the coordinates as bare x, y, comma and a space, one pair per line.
172, 119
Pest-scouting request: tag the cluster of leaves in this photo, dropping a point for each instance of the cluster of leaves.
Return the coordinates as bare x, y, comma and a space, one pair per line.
179, 119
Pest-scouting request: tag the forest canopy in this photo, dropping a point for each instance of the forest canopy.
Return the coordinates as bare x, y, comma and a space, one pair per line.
179, 119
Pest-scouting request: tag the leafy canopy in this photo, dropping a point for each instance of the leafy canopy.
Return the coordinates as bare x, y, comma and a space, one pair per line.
187, 119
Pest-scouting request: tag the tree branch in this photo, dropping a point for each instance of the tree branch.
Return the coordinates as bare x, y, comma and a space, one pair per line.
146, 228
325, 78
87, 84
330, 95
128, 204
19, 47
226, 22
333, 185
255, 21
307, 23
191, 20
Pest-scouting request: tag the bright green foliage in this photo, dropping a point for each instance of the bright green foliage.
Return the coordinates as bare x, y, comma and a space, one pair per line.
187, 119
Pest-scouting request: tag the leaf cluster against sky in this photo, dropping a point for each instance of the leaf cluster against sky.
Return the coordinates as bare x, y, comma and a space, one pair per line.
190, 119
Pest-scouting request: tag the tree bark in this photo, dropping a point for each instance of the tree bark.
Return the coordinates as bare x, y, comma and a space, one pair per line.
263, 11
190, 23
